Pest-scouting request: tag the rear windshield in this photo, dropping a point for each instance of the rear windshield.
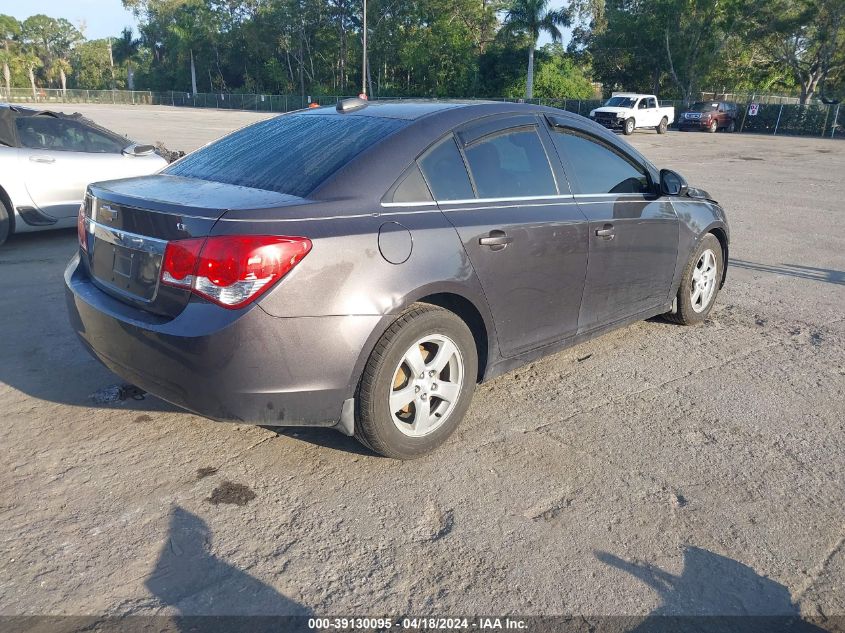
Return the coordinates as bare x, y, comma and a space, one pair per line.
291, 154
704, 106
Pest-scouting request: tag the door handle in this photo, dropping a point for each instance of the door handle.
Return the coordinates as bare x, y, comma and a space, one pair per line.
42, 159
607, 233
496, 240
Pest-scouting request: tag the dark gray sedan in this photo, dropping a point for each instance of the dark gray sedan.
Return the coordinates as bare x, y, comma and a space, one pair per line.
364, 267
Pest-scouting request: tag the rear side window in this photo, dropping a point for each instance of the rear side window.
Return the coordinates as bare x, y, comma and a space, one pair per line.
445, 172
411, 187
510, 164
290, 154
598, 167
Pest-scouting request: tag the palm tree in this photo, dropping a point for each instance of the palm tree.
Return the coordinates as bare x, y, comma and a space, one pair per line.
64, 37
10, 29
31, 61
531, 18
60, 68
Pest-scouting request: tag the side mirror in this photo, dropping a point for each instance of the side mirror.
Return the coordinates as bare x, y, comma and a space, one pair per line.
672, 183
139, 150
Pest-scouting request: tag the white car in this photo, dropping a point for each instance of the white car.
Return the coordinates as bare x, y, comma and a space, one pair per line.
628, 111
47, 160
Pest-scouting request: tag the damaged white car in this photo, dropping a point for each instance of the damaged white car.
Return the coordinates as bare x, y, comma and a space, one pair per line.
47, 159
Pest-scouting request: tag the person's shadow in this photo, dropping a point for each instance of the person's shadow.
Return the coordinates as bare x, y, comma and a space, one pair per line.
207, 592
714, 594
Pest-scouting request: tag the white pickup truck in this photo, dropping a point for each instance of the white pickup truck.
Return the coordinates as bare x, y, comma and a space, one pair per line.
628, 111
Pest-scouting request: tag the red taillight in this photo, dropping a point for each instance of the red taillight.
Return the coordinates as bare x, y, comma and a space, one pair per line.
81, 233
232, 270
180, 262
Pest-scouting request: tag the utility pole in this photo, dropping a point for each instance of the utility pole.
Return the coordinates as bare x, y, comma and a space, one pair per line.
364, 57
193, 74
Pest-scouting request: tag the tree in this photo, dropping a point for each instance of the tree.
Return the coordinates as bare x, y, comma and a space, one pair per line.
695, 34
557, 77
30, 61
62, 40
10, 30
808, 37
90, 61
531, 18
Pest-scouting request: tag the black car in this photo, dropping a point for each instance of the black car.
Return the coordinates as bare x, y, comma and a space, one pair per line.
364, 267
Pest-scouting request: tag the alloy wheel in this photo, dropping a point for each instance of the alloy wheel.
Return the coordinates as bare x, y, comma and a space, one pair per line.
704, 281
426, 385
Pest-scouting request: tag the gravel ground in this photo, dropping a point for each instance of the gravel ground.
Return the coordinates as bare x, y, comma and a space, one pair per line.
656, 470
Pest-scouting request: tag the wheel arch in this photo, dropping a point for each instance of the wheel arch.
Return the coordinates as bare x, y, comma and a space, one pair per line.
722, 236
472, 310
10, 209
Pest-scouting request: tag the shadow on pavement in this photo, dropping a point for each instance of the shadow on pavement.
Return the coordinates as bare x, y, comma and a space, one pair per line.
714, 594
325, 438
810, 273
40, 355
191, 580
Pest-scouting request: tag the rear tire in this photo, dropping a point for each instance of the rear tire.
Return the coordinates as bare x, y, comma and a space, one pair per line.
5, 223
700, 283
630, 126
417, 384
732, 127
664, 125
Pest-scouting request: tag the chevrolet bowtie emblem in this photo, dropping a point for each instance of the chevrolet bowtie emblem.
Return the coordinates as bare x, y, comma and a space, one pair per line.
108, 213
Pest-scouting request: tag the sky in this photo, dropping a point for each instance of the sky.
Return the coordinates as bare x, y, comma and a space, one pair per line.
104, 18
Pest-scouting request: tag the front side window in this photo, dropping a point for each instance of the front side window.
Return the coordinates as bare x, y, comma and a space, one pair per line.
510, 164
445, 172
101, 143
291, 153
599, 168
50, 133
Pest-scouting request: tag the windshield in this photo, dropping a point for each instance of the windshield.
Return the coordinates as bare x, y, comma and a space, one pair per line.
292, 153
621, 102
704, 106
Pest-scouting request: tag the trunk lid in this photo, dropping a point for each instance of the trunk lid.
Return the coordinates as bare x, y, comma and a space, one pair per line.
129, 223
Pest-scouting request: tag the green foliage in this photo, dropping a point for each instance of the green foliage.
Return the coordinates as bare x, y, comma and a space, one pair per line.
444, 48
92, 66
529, 19
556, 77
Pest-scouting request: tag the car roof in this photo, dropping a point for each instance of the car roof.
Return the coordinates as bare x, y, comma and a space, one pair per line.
408, 109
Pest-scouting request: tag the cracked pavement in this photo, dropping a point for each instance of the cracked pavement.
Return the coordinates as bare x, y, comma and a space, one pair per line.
658, 469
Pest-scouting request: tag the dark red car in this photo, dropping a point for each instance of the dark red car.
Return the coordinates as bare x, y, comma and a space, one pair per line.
711, 116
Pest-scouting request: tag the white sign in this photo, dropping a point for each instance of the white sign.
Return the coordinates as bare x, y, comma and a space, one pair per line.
753, 109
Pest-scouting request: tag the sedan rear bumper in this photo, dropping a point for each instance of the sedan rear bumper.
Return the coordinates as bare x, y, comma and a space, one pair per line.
235, 366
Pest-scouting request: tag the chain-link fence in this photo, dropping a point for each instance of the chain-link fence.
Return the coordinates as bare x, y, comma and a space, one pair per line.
774, 114
798, 120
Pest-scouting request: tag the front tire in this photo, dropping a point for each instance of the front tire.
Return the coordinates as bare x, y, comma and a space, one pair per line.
630, 126
417, 384
700, 283
714, 127
664, 125
5, 223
